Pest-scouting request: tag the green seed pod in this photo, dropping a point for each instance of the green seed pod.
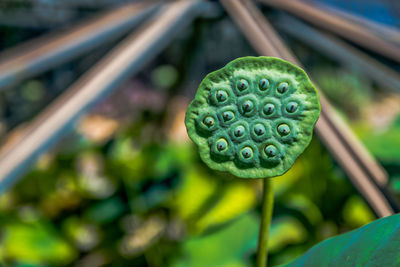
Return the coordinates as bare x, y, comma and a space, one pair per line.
253, 117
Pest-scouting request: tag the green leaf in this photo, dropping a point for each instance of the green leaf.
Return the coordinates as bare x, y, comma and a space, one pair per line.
206, 202
356, 212
376, 244
383, 143
196, 187
304, 205
231, 246
105, 211
36, 243
237, 198
285, 231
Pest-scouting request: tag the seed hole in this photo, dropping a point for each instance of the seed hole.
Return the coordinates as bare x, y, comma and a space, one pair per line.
269, 109
263, 84
247, 152
242, 84
239, 131
259, 129
222, 144
282, 87
209, 121
270, 151
291, 107
283, 129
221, 95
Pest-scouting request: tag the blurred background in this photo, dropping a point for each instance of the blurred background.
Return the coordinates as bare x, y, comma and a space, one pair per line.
120, 184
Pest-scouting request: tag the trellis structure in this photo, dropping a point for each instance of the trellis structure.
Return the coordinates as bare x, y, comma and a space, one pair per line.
164, 20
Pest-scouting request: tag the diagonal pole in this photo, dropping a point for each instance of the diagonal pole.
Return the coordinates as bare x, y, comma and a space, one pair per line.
339, 25
43, 53
122, 62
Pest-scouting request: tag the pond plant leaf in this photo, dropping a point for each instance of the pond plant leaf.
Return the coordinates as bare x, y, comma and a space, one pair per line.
36, 242
375, 244
253, 117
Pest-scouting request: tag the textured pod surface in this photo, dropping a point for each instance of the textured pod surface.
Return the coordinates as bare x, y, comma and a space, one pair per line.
375, 244
253, 117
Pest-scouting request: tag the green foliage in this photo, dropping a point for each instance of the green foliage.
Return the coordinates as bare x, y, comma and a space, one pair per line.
383, 143
164, 76
345, 89
228, 247
356, 212
166, 207
285, 231
375, 244
105, 211
33, 91
36, 242
164, 200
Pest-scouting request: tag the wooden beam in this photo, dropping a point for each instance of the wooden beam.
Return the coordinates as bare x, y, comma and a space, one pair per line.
44, 53
338, 25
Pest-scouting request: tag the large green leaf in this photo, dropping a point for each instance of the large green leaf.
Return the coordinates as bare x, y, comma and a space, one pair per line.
35, 242
375, 244
231, 246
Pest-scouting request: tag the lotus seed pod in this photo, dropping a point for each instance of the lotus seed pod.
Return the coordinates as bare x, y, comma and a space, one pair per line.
253, 117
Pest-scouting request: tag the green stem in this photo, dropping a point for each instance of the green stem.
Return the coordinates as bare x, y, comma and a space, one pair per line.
266, 214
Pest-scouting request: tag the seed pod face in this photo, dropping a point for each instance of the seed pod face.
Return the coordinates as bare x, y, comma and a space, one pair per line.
253, 117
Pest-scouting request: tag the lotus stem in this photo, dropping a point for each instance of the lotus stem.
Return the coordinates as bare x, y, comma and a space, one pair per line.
266, 215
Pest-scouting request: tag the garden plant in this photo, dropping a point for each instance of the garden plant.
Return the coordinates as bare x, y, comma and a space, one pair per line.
253, 118
120, 184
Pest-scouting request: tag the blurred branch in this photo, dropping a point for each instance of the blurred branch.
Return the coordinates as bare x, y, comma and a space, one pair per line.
365, 173
339, 25
43, 53
37, 18
123, 61
384, 31
70, 4
341, 51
